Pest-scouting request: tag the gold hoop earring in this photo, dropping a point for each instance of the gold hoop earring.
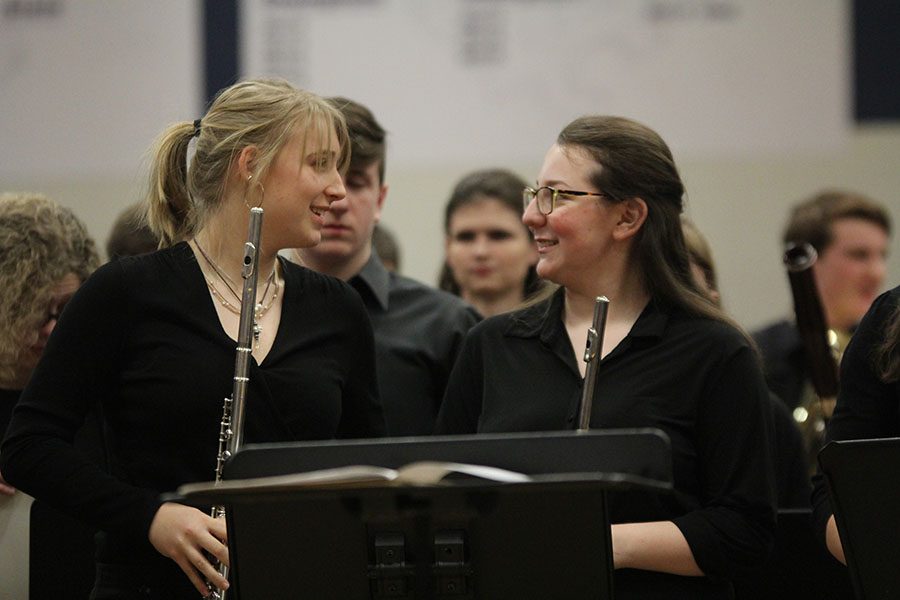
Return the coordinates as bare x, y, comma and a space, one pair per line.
262, 195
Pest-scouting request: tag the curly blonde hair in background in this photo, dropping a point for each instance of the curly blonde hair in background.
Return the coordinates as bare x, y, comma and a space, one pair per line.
40, 243
262, 113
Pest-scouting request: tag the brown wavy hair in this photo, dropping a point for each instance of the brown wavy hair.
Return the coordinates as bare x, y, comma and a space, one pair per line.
40, 243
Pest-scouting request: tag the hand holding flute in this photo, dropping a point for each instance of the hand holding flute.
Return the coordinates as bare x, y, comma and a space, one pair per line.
194, 540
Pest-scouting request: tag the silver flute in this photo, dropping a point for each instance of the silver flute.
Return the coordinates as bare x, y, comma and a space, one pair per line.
592, 352
231, 430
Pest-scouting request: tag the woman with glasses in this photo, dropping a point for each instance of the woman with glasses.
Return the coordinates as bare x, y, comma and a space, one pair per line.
605, 213
45, 255
490, 255
152, 339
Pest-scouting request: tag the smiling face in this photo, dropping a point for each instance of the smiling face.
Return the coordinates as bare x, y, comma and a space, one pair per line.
488, 249
851, 270
300, 186
573, 239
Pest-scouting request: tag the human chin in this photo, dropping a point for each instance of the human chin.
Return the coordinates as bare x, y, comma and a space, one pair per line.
545, 268
306, 238
330, 246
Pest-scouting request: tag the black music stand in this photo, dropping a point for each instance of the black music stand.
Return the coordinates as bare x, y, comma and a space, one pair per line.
865, 493
470, 539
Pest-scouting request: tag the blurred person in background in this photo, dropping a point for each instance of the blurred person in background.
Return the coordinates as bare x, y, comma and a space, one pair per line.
850, 233
45, 256
490, 256
131, 235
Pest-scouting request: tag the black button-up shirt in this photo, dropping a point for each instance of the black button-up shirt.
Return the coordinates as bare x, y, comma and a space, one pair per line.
696, 379
418, 333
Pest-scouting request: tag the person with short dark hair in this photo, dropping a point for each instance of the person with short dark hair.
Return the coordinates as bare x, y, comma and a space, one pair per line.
850, 233
418, 329
605, 214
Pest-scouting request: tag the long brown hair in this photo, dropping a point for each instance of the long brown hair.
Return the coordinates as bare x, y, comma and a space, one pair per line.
635, 162
887, 354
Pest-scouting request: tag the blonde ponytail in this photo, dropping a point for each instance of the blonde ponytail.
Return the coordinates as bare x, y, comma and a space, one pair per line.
262, 113
169, 210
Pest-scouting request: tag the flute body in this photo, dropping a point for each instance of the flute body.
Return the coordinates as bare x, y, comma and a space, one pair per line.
231, 429
592, 352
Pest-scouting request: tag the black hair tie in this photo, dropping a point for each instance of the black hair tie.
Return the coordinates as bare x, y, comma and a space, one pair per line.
196, 128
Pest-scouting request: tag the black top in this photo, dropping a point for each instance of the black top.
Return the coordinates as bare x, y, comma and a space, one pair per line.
784, 361
418, 333
867, 407
791, 467
8, 399
696, 379
142, 338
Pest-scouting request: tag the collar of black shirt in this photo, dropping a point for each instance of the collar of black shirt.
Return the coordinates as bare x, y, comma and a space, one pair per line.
375, 279
544, 320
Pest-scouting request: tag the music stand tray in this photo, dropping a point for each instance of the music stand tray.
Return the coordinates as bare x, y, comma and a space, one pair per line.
865, 493
462, 540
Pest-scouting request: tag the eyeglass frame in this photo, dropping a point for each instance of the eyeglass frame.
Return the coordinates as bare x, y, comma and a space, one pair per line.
554, 195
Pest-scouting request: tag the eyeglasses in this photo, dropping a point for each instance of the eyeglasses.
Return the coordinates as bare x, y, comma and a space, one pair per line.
547, 197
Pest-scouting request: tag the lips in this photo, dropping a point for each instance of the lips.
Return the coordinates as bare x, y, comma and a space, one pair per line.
544, 244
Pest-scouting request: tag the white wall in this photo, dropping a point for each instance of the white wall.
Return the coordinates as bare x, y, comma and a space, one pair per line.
740, 205
61, 104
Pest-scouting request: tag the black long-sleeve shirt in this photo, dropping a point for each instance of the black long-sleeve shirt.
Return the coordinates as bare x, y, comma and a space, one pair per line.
866, 407
696, 379
142, 337
418, 333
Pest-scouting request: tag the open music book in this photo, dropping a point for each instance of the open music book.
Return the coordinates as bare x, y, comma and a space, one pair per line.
421, 473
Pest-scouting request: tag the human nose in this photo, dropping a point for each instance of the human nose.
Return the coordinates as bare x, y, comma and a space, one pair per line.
532, 217
336, 190
480, 247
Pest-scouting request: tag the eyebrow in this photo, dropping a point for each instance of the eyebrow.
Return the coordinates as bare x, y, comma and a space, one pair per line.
554, 183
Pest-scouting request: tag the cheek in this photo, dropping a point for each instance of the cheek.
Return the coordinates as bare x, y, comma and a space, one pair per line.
457, 254
563, 227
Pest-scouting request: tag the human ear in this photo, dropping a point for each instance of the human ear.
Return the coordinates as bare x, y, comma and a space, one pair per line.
246, 162
632, 214
379, 203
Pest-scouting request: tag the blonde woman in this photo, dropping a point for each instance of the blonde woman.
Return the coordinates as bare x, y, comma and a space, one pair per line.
152, 338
